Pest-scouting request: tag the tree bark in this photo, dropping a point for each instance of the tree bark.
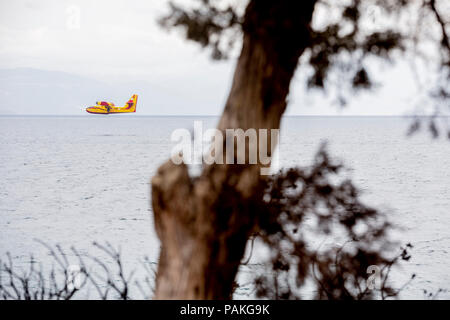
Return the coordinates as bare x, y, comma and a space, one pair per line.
203, 223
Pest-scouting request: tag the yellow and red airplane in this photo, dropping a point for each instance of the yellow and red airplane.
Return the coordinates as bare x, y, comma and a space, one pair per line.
103, 107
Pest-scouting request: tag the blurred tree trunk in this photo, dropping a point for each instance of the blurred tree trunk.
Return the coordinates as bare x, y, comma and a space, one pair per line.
202, 225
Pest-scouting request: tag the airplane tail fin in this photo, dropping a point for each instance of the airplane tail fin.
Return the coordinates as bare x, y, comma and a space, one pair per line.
131, 104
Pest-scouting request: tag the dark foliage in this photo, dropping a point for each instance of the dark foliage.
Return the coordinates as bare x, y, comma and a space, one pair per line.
302, 208
206, 25
340, 45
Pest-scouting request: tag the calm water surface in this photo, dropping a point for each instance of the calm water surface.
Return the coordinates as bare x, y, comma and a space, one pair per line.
74, 180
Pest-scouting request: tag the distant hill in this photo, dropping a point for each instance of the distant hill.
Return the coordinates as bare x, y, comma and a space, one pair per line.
34, 91
28, 91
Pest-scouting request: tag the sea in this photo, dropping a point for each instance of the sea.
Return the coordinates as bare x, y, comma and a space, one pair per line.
75, 180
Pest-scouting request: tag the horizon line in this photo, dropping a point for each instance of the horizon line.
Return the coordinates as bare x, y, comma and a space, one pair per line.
210, 115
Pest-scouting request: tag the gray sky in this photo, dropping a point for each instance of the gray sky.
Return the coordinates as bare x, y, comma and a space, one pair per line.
119, 41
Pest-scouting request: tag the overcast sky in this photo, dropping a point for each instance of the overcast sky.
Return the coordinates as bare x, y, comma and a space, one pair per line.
120, 41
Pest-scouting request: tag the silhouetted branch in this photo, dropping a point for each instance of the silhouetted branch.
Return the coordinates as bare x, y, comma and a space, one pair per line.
107, 276
303, 205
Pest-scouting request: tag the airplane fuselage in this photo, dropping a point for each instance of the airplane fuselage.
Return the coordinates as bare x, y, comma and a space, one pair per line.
103, 107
